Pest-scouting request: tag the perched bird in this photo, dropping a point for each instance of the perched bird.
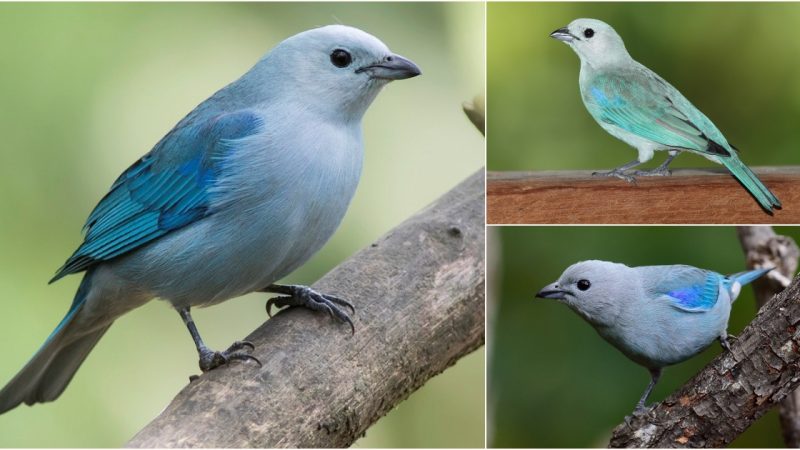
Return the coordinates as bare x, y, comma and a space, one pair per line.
655, 315
635, 105
241, 192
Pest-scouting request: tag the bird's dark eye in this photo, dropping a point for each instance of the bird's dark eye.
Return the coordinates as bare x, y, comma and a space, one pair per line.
588, 33
341, 58
584, 285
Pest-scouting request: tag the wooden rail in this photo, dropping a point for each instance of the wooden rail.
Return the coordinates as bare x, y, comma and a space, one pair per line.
689, 196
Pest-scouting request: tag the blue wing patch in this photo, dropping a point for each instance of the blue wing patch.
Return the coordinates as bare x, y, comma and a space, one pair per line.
604, 101
165, 190
700, 297
630, 104
685, 287
697, 297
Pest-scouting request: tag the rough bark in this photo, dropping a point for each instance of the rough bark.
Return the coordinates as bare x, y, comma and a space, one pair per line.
688, 196
733, 391
764, 248
419, 296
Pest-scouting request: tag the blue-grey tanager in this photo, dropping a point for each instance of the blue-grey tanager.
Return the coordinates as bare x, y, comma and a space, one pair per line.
655, 315
241, 192
637, 106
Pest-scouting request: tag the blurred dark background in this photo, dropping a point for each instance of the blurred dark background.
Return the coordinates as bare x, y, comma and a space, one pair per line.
736, 62
554, 382
87, 88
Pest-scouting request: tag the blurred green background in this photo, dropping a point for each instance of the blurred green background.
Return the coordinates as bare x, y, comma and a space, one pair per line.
553, 382
88, 88
736, 62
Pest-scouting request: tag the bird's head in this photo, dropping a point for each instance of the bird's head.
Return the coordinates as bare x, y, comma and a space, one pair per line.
595, 42
335, 69
592, 289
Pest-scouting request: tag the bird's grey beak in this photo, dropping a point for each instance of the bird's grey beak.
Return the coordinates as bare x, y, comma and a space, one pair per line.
393, 67
552, 291
563, 34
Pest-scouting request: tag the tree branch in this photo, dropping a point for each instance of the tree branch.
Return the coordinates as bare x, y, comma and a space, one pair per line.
764, 248
733, 391
419, 294
688, 196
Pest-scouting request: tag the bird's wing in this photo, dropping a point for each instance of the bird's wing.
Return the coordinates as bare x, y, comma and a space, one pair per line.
165, 190
685, 287
644, 104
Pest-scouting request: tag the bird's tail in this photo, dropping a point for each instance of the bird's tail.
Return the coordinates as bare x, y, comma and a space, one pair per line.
750, 181
748, 276
737, 280
47, 374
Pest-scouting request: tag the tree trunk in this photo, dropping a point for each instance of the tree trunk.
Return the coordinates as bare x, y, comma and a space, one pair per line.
764, 248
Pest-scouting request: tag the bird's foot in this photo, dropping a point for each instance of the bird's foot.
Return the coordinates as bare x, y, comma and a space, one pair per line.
617, 174
239, 350
639, 411
657, 172
309, 298
723, 341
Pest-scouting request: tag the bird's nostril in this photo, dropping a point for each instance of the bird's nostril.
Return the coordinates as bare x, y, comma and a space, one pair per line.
389, 58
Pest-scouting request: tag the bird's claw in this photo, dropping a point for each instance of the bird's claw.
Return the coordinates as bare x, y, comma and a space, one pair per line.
309, 298
238, 351
723, 341
238, 345
639, 411
617, 174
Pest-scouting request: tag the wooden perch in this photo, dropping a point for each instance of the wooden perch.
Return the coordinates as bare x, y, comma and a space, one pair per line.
764, 248
688, 196
733, 391
419, 296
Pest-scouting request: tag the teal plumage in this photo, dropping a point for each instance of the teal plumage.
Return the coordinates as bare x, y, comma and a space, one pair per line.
637, 106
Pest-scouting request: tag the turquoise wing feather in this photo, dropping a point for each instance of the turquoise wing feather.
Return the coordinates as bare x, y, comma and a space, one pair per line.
654, 110
644, 104
165, 190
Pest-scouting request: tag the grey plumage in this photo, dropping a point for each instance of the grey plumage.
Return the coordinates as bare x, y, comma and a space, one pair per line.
655, 315
241, 192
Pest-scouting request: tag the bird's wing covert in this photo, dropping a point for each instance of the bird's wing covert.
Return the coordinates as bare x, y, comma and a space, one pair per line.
165, 190
649, 108
685, 287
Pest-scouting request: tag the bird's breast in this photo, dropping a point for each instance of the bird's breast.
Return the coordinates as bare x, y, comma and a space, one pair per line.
288, 194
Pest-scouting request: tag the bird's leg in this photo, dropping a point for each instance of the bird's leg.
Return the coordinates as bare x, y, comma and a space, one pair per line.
661, 170
723, 341
209, 359
619, 172
655, 374
305, 296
